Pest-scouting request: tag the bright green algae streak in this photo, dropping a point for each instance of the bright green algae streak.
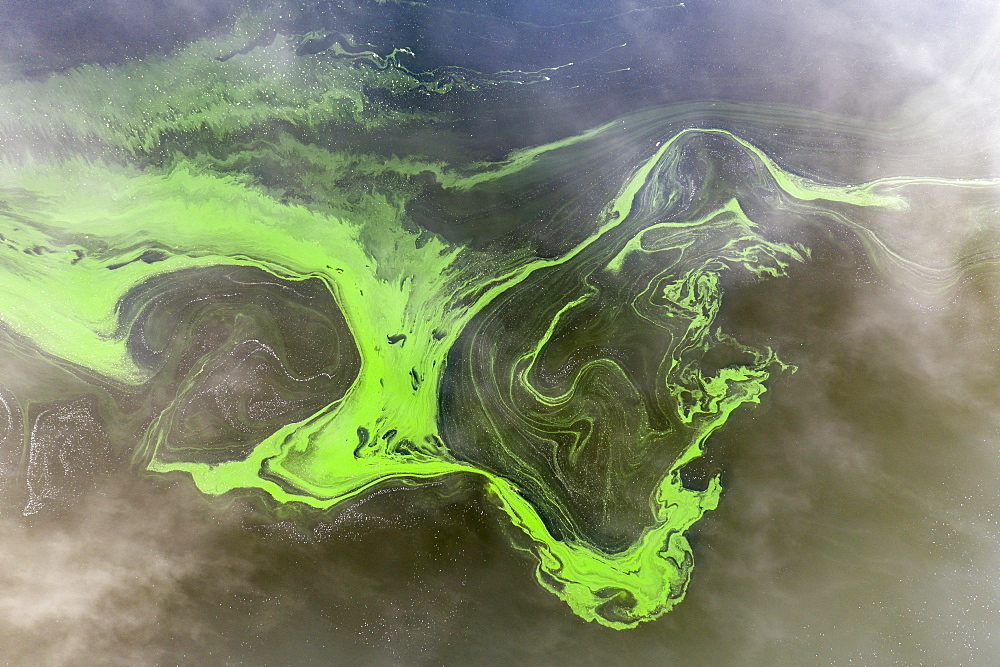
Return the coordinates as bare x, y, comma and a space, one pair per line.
416, 304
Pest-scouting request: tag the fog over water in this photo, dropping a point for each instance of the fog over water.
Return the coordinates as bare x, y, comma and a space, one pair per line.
317, 352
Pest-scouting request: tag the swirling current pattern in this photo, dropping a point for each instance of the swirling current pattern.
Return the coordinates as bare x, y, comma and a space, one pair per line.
315, 322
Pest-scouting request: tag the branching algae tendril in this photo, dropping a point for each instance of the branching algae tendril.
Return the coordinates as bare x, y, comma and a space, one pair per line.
564, 352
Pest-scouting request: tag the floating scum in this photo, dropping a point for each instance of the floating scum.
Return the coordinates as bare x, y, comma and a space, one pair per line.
561, 348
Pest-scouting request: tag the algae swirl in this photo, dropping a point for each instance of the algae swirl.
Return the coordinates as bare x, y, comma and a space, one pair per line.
314, 318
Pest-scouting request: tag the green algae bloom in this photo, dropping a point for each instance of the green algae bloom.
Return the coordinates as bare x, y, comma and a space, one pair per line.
313, 322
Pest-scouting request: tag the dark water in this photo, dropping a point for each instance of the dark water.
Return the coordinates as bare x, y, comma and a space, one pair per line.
157, 329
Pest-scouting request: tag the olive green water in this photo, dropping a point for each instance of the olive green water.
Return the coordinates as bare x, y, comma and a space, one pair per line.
248, 303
